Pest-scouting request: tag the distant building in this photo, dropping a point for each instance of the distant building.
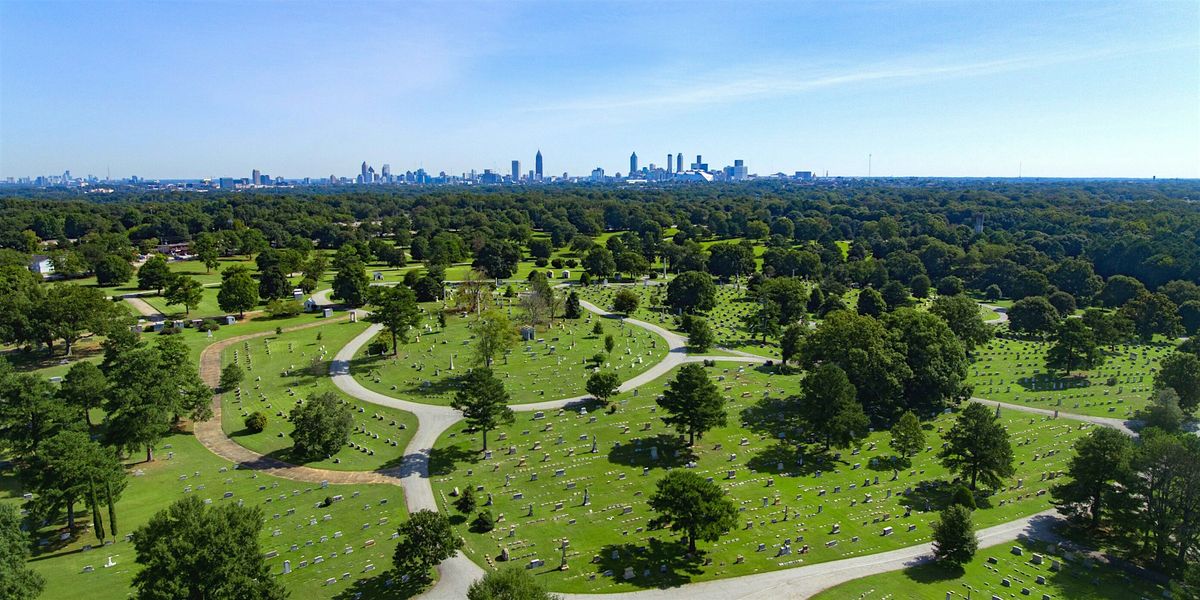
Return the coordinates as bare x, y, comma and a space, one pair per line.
805, 175
227, 183
598, 174
633, 168
669, 163
255, 177
739, 170
537, 165
699, 165
177, 249
42, 265
679, 163
516, 171
489, 177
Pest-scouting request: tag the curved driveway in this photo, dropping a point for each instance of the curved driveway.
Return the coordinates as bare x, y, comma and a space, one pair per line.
457, 573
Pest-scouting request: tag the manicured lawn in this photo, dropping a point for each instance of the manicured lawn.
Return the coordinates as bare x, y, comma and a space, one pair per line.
282, 371
1076, 578
550, 366
207, 308
725, 318
1014, 370
611, 532
366, 512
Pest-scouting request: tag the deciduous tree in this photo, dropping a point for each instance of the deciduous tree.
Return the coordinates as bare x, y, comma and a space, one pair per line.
687, 502
321, 427
978, 448
693, 403
189, 550
483, 402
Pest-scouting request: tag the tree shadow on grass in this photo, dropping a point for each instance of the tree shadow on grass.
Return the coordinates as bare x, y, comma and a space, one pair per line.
650, 557
772, 417
936, 495
384, 585
633, 454
443, 461
928, 571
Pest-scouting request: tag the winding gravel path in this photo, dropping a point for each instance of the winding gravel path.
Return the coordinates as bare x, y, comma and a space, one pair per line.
457, 573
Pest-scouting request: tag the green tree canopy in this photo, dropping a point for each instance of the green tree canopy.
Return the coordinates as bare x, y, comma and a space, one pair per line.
20, 581
828, 407
686, 502
321, 427
693, 403
189, 550
483, 402
1101, 460
184, 291
238, 292
1181, 372
395, 307
426, 539
1074, 347
692, 291
978, 448
154, 273
954, 540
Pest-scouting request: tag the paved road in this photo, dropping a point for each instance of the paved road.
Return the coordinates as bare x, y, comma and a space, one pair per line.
1121, 425
457, 573
142, 307
803, 582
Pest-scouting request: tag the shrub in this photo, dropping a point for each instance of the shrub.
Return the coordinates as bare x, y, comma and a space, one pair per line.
171, 330
572, 263
256, 421
281, 308
483, 522
557, 263
231, 376
380, 345
209, 325
541, 262
963, 497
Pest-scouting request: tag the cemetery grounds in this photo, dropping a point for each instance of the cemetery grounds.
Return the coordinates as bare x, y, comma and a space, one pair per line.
541, 468
1045, 569
554, 364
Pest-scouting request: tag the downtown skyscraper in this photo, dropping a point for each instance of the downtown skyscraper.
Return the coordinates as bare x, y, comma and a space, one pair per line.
537, 166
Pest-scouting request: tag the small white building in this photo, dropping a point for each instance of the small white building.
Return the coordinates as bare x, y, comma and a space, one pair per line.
42, 265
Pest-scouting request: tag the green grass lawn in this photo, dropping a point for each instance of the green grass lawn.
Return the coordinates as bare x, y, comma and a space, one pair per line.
281, 371
545, 368
365, 512
1014, 370
1074, 577
611, 532
725, 318
207, 308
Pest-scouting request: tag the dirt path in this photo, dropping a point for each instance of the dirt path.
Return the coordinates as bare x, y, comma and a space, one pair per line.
213, 437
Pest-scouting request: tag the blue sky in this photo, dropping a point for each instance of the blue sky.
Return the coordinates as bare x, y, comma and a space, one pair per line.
177, 89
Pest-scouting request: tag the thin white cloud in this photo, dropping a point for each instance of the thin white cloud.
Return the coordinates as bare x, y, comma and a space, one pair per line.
788, 80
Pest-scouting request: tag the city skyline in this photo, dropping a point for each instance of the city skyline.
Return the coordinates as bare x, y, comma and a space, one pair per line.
186, 90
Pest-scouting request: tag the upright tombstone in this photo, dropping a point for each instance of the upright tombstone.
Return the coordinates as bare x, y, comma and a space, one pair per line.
327, 313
